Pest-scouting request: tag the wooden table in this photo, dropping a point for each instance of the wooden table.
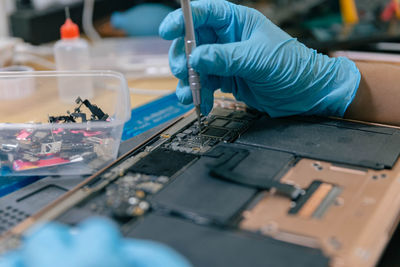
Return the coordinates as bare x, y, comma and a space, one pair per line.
36, 107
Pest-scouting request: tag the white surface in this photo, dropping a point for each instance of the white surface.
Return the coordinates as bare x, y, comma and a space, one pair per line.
368, 56
43, 4
87, 21
6, 6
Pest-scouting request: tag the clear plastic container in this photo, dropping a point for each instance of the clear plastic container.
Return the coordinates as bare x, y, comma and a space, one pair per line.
133, 56
31, 145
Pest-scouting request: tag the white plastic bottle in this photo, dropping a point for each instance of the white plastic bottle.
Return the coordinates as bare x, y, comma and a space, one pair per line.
72, 54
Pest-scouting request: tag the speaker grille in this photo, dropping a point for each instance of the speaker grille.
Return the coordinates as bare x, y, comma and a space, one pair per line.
10, 216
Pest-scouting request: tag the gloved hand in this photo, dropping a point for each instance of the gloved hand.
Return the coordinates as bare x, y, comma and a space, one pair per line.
140, 20
242, 52
95, 243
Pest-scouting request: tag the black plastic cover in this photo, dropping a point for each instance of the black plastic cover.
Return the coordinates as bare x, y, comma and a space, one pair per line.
270, 164
196, 192
197, 195
327, 139
206, 246
162, 162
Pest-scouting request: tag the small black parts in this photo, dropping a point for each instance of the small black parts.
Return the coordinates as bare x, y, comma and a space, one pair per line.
61, 119
96, 114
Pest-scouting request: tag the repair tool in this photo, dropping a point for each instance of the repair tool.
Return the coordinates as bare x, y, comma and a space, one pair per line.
190, 45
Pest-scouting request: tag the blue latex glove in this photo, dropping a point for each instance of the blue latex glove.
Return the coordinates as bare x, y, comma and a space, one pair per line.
95, 243
242, 52
140, 20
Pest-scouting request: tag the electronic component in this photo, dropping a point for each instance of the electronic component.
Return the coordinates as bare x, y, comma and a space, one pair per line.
215, 129
219, 122
61, 119
189, 141
127, 197
50, 148
9, 147
20, 165
97, 113
316, 200
162, 162
213, 132
4, 160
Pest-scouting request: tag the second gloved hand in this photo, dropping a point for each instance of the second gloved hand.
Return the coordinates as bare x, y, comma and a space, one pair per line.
94, 243
242, 52
140, 20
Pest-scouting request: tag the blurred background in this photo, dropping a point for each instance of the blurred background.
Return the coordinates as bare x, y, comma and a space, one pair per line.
123, 34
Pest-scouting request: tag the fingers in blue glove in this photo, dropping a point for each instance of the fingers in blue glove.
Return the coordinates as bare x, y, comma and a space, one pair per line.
94, 243
221, 59
266, 68
177, 56
177, 59
183, 92
98, 243
184, 95
13, 259
206, 13
46, 245
207, 101
208, 86
131, 21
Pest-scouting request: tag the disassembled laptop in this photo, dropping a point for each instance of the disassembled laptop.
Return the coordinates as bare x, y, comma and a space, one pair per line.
252, 191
